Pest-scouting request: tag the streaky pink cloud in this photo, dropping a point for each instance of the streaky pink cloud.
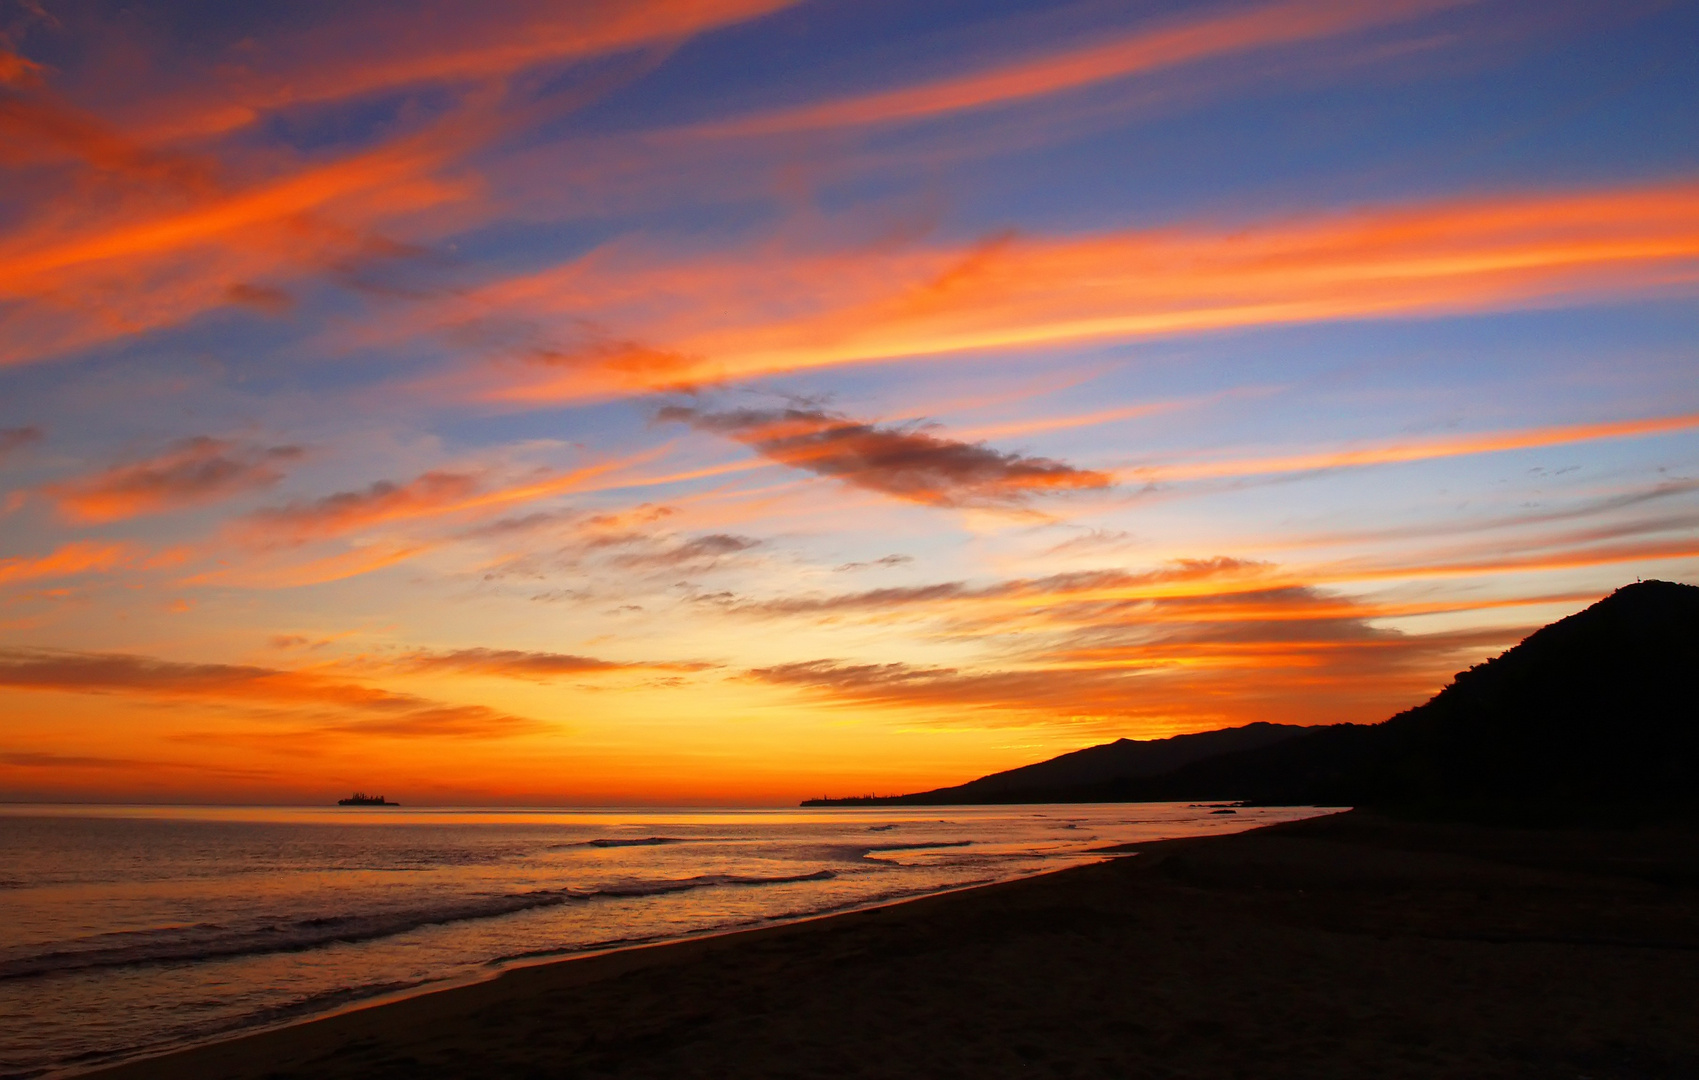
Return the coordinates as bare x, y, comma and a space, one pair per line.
764, 311
523, 664
380, 48
1391, 453
192, 472
435, 493
84, 274
427, 494
1182, 663
69, 560
1142, 51
911, 463
14, 439
376, 711
275, 570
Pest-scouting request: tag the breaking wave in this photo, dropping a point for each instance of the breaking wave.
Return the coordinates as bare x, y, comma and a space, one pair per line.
209, 941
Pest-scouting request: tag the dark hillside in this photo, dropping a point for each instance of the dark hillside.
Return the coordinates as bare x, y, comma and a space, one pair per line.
1095, 765
1591, 718
1599, 709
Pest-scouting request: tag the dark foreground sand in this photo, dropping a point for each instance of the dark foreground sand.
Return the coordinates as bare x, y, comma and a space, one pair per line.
1339, 947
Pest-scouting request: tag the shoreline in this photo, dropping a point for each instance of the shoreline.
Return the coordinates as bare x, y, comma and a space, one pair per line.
1343, 945
501, 969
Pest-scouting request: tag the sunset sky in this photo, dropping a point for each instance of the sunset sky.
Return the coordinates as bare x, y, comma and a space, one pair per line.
731, 401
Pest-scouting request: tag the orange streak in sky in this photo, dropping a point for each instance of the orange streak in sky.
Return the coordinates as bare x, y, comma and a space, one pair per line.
386, 712
76, 557
1424, 450
168, 236
500, 40
1138, 53
1063, 423
756, 314
1612, 555
338, 567
434, 494
271, 204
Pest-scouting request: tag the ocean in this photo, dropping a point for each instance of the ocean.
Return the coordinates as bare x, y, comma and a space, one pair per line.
127, 931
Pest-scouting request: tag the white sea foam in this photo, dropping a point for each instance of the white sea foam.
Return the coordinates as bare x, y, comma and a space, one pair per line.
114, 922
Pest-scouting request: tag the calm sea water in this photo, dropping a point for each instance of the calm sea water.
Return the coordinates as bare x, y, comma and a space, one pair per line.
131, 930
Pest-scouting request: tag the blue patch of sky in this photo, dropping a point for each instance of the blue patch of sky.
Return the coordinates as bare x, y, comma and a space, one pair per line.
1491, 113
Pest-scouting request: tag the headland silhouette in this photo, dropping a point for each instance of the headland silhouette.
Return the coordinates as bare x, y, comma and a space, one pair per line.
1593, 718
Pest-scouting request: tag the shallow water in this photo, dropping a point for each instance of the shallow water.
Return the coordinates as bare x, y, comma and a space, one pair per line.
130, 930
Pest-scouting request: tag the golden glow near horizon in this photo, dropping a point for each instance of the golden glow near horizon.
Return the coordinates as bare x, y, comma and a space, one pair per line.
733, 402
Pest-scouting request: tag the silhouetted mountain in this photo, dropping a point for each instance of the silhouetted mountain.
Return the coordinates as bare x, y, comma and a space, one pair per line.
1121, 759
1595, 716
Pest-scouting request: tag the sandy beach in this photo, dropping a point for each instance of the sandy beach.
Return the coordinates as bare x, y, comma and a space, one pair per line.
1346, 946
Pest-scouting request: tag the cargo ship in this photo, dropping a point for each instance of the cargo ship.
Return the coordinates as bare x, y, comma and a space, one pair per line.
360, 798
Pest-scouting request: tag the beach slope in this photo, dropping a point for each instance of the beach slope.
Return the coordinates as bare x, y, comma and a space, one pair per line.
1344, 946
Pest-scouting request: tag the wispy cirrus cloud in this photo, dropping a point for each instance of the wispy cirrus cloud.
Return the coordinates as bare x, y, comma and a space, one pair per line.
1208, 590
529, 665
14, 439
911, 463
1181, 578
1145, 50
69, 560
354, 708
764, 311
697, 553
192, 472
387, 47
1177, 664
76, 278
621, 546
382, 501
1430, 449
127, 232
431, 494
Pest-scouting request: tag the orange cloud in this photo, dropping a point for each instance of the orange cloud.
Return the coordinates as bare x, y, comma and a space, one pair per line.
375, 49
43, 129
1288, 655
190, 473
272, 572
1419, 450
750, 314
15, 70
1198, 590
519, 664
15, 439
108, 268
383, 712
1532, 562
431, 494
1144, 51
428, 494
908, 462
123, 233
1185, 577
68, 560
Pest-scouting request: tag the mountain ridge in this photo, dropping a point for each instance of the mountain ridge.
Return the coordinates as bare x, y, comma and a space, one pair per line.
1592, 715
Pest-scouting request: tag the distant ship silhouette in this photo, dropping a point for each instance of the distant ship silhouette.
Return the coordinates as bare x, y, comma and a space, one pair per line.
360, 798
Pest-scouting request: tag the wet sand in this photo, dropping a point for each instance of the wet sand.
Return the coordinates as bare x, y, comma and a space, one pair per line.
1346, 946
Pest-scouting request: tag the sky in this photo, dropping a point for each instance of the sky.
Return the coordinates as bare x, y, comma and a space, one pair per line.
735, 401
